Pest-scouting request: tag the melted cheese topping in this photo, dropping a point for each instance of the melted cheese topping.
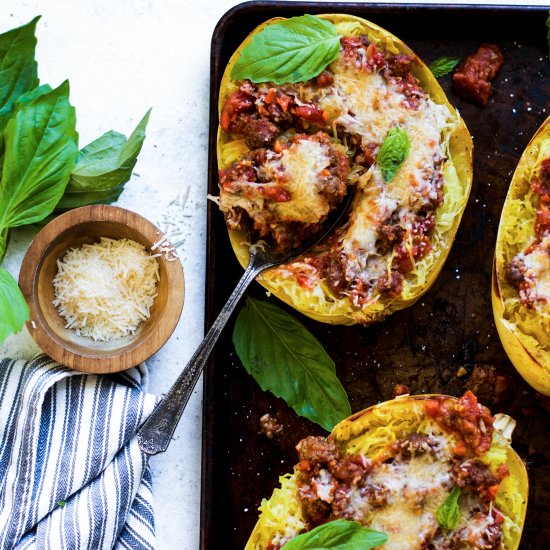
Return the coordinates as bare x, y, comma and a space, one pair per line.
105, 290
367, 106
417, 489
298, 170
537, 271
302, 164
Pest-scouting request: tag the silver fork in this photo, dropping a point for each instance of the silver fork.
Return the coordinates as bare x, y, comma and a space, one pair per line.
156, 433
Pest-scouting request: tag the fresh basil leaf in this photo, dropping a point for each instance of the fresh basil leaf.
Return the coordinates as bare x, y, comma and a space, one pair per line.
286, 359
76, 200
41, 151
14, 311
340, 534
18, 68
4, 241
31, 95
393, 152
448, 514
443, 66
107, 162
294, 50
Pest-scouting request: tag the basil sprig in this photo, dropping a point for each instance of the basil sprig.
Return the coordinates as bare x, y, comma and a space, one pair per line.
13, 308
340, 534
18, 69
393, 152
448, 514
38, 152
443, 66
36, 170
287, 360
103, 167
293, 50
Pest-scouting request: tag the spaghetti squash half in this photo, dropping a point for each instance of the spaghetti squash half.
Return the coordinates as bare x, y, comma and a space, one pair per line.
393, 467
286, 151
521, 279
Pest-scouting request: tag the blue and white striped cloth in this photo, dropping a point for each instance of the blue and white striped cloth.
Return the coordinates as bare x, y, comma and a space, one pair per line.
71, 473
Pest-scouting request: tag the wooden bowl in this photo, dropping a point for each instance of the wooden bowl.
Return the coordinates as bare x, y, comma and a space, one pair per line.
86, 226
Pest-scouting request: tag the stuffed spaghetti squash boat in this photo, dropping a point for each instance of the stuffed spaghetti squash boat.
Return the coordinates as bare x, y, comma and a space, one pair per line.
521, 280
423, 472
374, 118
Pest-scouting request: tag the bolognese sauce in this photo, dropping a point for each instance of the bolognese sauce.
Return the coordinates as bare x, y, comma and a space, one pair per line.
400, 491
529, 270
353, 104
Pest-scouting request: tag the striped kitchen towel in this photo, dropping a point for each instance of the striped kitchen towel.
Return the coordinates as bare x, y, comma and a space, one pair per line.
71, 473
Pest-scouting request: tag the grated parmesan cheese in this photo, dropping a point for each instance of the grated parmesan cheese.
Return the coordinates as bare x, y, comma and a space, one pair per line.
105, 290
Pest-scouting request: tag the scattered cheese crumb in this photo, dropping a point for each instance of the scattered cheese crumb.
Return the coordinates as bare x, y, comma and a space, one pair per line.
105, 290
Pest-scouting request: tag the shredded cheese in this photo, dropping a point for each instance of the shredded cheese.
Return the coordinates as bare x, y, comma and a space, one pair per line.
105, 290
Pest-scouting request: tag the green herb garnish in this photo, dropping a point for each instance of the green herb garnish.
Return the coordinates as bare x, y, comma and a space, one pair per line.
393, 152
103, 167
443, 66
61, 503
294, 50
41, 147
340, 534
40, 166
287, 360
13, 308
448, 514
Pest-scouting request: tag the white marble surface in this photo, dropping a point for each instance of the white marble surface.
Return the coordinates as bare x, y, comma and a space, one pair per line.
122, 57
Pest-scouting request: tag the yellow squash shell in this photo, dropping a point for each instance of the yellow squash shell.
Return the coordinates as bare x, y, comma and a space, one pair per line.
321, 304
369, 432
523, 332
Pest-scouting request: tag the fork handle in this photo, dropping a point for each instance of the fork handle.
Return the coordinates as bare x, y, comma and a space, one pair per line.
156, 433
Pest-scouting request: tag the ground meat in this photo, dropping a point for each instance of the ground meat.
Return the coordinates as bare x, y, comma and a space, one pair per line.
483, 532
260, 113
258, 131
367, 156
400, 64
345, 500
348, 470
388, 236
402, 260
487, 538
472, 79
333, 272
270, 426
315, 449
314, 510
515, 271
489, 386
392, 286
237, 103
542, 221
467, 418
260, 181
416, 445
238, 171
361, 54
476, 477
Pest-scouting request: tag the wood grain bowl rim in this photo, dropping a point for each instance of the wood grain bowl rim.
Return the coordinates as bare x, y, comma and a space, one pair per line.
116, 360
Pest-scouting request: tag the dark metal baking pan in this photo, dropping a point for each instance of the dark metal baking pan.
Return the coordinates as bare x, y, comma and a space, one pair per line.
423, 346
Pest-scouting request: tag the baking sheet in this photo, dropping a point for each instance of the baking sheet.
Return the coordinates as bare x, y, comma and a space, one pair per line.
422, 347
